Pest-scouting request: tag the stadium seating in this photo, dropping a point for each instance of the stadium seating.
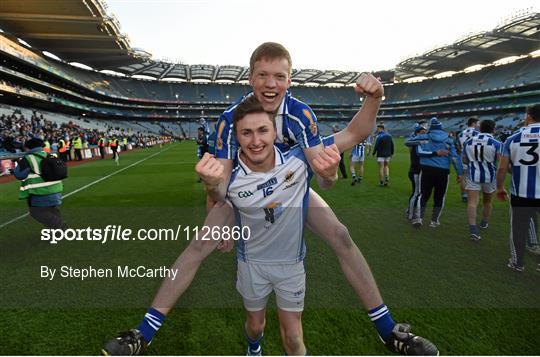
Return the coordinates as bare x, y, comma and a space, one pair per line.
494, 91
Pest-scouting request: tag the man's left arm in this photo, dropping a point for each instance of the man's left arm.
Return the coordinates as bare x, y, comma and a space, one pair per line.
501, 175
363, 122
504, 164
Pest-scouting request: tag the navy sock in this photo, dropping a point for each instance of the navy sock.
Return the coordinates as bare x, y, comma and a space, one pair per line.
255, 344
151, 324
473, 228
383, 321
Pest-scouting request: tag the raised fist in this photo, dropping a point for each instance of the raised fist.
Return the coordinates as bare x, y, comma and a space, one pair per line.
368, 85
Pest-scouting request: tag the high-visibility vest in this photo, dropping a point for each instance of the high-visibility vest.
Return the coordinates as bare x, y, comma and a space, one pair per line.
62, 147
47, 147
77, 143
101, 142
125, 141
113, 143
33, 184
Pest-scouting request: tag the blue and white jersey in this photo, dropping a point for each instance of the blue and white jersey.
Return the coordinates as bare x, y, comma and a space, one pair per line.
465, 135
523, 151
204, 124
358, 151
295, 124
274, 206
481, 152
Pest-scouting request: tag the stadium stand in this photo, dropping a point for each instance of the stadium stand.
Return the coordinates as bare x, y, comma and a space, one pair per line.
33, 80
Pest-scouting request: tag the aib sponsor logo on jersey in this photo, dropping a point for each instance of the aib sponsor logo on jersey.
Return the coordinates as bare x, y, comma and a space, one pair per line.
267, 187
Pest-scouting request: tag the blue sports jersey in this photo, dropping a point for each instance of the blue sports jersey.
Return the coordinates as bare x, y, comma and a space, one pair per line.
523, 151
295, 123
481, 152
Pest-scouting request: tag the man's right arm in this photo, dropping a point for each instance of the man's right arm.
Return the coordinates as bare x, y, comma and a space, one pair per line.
415, 140
215, 174
219, 192
363, 122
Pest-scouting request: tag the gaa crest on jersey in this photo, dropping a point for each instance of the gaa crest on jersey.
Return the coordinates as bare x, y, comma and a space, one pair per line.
312, 124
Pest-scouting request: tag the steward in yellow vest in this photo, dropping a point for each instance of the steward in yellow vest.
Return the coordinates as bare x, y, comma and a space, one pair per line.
43, 197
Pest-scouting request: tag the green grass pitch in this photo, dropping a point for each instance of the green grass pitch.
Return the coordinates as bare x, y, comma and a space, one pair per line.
457, 293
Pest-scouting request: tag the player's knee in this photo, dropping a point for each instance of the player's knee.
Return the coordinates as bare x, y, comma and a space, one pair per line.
255, 326
200, 249
292, 340
343, 238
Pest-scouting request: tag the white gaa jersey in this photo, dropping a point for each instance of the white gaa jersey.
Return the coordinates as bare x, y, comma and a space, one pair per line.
358, 151
481, 152
523, 150
274, 207
465, 135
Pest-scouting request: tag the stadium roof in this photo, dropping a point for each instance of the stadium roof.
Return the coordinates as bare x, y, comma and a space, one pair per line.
82, 31
75, 30
517, 37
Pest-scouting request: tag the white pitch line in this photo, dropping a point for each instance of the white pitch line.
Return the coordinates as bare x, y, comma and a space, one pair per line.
90, 184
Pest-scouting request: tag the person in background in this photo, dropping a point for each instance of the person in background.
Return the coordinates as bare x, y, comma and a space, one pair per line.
480, 154
434, 168
464, 135
342, 168
357, 156
384, 149
43, 197
520, 156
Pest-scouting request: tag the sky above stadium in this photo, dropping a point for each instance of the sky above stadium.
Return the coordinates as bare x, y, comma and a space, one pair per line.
339, 34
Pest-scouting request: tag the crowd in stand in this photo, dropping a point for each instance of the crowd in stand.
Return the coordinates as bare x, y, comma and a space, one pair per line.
16, 130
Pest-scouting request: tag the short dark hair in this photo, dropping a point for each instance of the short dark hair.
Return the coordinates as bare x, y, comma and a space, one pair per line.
487, 126
250, 106
472, 121
534, 112
269, 50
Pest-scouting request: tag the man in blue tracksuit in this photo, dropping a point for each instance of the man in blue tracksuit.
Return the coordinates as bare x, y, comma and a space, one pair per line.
435, 169
384, 149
